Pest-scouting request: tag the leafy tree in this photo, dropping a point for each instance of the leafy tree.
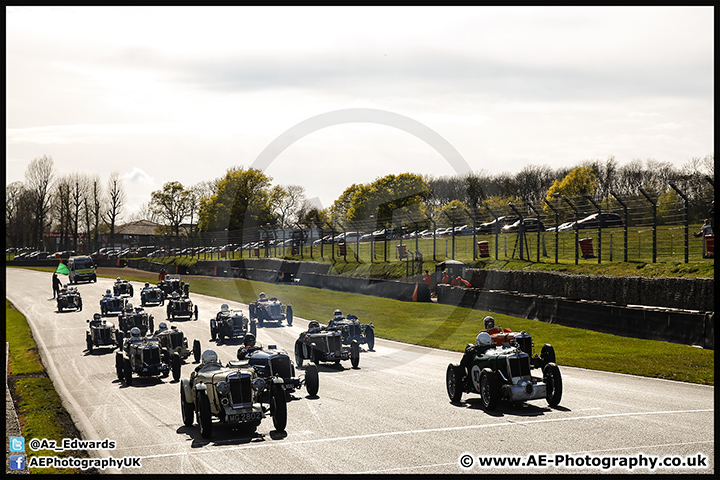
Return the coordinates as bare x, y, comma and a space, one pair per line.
173, 204
390, 196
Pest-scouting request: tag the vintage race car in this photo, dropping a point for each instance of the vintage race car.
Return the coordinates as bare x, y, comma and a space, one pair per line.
135, 317
233, 394
351, 329
145, 357
69, 299
151, 295
318, 344
502, 373
172, 283
101, 334
231, 323
175, 341
181, 306
122, 288
272, 362
270, 310
111, 304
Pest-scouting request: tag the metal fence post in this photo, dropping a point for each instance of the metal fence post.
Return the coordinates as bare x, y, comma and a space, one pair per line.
654, 230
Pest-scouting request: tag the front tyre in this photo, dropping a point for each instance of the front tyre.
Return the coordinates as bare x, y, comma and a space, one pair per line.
119, 365
175, 366
354, 354
278, 409
298, 354
370, 337
127, 371
188, 409
196, 350
553, 384
489, 391
204, 416
289, 314
312, 380
453, 379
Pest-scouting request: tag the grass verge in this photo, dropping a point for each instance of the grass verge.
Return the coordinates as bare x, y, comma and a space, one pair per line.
38, 406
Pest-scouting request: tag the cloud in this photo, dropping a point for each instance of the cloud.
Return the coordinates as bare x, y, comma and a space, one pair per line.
138, 176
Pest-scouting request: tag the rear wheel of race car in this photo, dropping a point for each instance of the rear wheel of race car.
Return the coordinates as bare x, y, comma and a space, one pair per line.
354, 354
127, 371
489, 390
278, 408
299, 353
312, 380
314, 356
204, 416
118, 338
131, 290
553, 384
119, 365
196, 312
187, 408
253, 328
547, 354
370, 337
213, 334
289, 314
453, 379
88, 341
196, 350
220, 338
175, 366
79, 304
169, 311
151, 325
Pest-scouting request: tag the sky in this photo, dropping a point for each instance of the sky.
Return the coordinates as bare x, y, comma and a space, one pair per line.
324, 97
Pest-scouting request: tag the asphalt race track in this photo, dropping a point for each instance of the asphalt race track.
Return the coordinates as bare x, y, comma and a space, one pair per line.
392, 415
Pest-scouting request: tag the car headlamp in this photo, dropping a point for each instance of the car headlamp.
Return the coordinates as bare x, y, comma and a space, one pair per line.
223, 388
258, 384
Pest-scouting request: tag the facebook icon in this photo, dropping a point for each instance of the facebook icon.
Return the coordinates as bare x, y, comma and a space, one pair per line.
17, 462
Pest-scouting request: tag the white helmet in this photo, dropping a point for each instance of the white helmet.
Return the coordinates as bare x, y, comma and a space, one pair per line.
489, 322
224, 308
147, 285
107, 292
337, 313
262, 294
163, 326
483, 339
118, 279
128, 306
209, 356
135, 332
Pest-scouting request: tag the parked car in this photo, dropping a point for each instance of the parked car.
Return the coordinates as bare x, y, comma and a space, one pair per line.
530, 224
495, 226
69, 299
101, 334
606, 220
145, 357
230, 323
318, 344
351, 329
233, 394
270, 309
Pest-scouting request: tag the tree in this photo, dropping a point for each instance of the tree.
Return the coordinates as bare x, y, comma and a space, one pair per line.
242, 201
115, 203
38, 182
390, 196
579, 182
18, 209
173, 204
287, 201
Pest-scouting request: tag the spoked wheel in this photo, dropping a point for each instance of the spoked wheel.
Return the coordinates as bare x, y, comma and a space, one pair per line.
453, 383
289, 314
553, 384
299, 353
547, 354
278, 408
312, 380
355, 354
489, 391
204, 415
188, 409
370, 338
196, 350
175, 366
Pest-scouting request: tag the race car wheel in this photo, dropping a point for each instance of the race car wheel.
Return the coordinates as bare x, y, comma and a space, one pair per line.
289, 314
221, 337
278, 409
131, 290
299, 353
489, 391
553, 384
213, 334
175, 366
253, 328
151, 325
79, 304
370, 338
187, 408
169, 311
312, 380
118, 338
196, 350
196, 312
127, 371
119, 365
354, 354
314, 355
547, 355
204, 416
88, 341
453, 378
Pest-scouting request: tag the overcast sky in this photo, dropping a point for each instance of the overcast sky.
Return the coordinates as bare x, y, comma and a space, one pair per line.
336, 96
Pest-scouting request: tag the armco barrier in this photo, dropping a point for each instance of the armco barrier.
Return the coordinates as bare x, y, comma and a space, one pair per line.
687, 327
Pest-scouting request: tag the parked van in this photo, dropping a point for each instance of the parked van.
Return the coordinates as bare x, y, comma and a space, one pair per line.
82, 269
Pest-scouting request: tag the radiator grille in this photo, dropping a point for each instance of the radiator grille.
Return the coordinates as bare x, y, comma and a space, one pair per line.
240, 389
519, 365
281, 367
